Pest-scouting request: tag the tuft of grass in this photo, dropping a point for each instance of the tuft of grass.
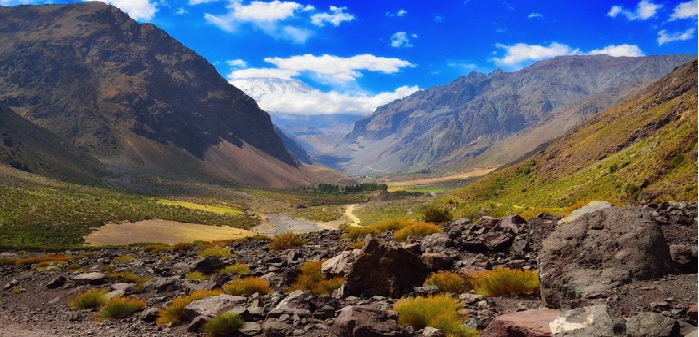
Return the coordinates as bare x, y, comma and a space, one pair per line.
247, 286
505, 282
287, 240
439, 312
356, 245
174, 312
312, 279
124, 276
236, 269
41, 258
121, 307
449, 282
196, 276
223, 325
156, 249
123, 259
87, 300
420, 229
216, 251
182, 246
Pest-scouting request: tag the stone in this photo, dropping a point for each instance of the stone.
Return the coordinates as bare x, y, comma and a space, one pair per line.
593, 206
127, 288
432, 332
149, 315
488, 222
585, 321
197, 323
56, 282
213, 305
384, 269
250, 328
437, 261
162, 284
361, 321
273, 327
512, 222
437, 243
339, 265
93, 278
497, 242
598, 251
692, 312
529, 323
297, 303
651, 324
208, 265
684, 259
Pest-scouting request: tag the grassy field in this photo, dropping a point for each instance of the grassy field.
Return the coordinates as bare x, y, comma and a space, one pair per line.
200, 207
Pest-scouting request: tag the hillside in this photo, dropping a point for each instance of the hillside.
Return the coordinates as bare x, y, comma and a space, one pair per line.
643, 149
134, 97
449, 124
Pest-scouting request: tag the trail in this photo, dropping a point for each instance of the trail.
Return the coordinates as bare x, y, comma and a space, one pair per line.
349, 212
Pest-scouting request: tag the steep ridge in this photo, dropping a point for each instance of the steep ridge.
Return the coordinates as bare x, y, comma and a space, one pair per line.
445, 125
132, 96
643, 149
28, 147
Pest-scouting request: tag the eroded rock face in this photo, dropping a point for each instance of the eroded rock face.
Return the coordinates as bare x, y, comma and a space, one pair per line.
598, 251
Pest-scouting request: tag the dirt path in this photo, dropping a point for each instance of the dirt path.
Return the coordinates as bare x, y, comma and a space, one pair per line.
349, 213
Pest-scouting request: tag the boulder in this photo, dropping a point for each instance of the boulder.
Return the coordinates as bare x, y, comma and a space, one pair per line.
384, 269
273, 327
360, 321
529, 323
93, 278
589, 208
599, 251
512, 222
56, 282
488, 222
212, 306
437, 261
339, 265
586, 321
651, 324
297, 303
684, 257
208, 265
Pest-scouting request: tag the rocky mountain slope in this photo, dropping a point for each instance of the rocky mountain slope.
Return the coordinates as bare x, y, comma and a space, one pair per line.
448, 124
132, 96
641, 149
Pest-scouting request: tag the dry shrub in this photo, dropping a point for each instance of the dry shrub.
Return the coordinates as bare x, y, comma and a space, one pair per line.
236, 269
449, 282
174, 312
505, 282
123, 276
247, 286
355, 232
439, 312
312, 279
420, 229
287, 240
123, 259
223, 325
41, 258
156, 249
216, 251
6, 261
87, 300
121, 307
196, 276
182, 247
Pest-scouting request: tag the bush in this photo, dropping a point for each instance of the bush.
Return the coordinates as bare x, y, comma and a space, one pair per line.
174, 312
196, 276
449, 282
182, 246
377, 228
156, 249
123, 259
236, 269
121, 307
506, 282
223, 325
247, 286
437, 311
312, 279
123, 276
41, 258
286, 240
420, 229
216, 251
88, 300
437, 215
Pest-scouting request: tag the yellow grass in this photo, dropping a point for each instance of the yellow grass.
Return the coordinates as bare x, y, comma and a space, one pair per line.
247, 286
200, 207
174, 312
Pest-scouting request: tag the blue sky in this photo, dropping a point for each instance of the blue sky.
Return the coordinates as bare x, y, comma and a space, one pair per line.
393, 47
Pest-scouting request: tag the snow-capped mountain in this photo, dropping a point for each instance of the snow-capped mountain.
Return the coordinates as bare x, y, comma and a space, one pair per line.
256, 87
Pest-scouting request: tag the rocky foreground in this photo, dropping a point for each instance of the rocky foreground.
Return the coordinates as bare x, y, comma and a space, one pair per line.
615, 271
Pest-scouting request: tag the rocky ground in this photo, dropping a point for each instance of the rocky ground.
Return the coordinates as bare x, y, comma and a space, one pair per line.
33, 298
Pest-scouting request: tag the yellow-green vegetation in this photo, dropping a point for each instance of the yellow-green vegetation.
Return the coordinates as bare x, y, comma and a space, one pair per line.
312, 279
395, 209
449, 282
236, 269
439, 312
182, 246
287, 240
223, 325
376, 228
437, 215
174, 312
505, 282
247, 286
200, 207
216, 251
420, 229
196, 276
123, 276
156, 248
87, 300
123, 259
38, 259
121, 307
319, 213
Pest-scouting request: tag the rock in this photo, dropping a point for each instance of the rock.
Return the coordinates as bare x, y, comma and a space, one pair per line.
113, 294
519, 247
650, 324
432, 332
529, 323
512, 223
93, 278
340, 264
360, 321
585, 321
437, 243
197, 323
589, 208
250, 328
208, 265
497, 242
162, 284
273, 327
56, 282
297, 303
437, 261
692, 312
384, 269
149, 315
127, 288
684, 259
213, 305
598, 251
488, 222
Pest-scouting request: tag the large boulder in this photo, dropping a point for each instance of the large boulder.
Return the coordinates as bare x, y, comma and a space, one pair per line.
598, 251
212, 306
359, 321
384, 269
339, 265
529, 323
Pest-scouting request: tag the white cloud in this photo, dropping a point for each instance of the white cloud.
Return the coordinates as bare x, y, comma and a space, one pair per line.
644, 10
237, 63
316, 102
521, 52
181, 11
438, 18
328, 68
401, 40
665, 37
536, 16
137, 9
619, 50
199, 2
401, 12
685, 10
336, 16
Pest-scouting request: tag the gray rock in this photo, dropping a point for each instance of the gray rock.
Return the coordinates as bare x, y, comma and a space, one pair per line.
93, 278
273, 327
684, 257
593, 206
57, 282
250, 328
297, 303
340, 264
437, 243
213, 305
208, 265
586, 321
432, 332
651, 324
437, 261
359, 321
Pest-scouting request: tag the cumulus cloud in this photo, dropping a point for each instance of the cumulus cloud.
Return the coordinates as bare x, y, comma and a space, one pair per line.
685, 10
619, 50
665, 37
644, 10
401, 12
317, 102
237, 63
336, 16
140, 10
521, 52
199, 2
536, 16
401, 40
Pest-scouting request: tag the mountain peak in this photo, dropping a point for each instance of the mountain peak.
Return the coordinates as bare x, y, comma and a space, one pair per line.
256, 87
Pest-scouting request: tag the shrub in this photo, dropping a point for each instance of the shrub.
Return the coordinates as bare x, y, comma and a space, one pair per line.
377, 228
123, 276
156, 249
437, 311
123, 259
247, 286
196, 276
216, 251
312, 279
87, 300
449, 282
121, 307
41, 258
286, 240
182, 246
223, 325
236, 269
6, 261
505, 282
419, 229
174, 312
437, 215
